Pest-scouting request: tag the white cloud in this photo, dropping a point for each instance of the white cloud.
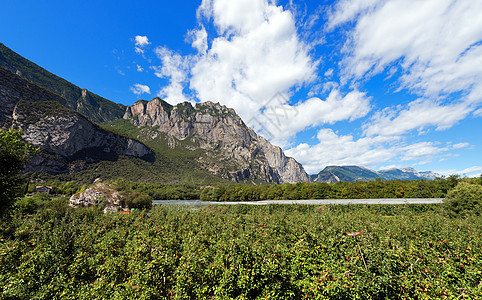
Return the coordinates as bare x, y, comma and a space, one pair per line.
140, 89
347, 10
417, 115
235, 16
475, 171
435, 44
281, 121
256, 54
460, 146
333, 149
421, 151
175, 68
141, 42
139, 68
199, 39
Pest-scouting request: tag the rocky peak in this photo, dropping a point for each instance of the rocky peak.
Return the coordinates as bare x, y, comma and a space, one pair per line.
221, 131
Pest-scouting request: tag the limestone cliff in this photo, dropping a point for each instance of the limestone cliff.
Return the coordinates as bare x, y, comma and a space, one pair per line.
234, 151
63, 135
68, 136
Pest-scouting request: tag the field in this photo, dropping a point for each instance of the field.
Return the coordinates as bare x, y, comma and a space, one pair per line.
241, 252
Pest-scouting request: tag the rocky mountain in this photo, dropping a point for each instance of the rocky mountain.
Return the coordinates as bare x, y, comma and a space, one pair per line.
231, 149
68, 139
94, 107
205, 142
408, 174
355, 173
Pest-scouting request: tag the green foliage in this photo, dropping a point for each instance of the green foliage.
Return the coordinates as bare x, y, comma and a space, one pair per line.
172, 164
32, 204
242, 252
340, 190
159, 191
138, 200
14, 153
465, 199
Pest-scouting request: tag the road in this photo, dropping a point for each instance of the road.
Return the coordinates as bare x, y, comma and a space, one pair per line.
398, 201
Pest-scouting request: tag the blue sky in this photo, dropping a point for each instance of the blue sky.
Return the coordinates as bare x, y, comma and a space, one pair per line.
375, 83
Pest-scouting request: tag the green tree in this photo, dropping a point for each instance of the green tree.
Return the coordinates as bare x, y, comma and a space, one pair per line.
14, 154
465, 198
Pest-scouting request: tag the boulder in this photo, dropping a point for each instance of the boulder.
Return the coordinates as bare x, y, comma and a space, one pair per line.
99, 194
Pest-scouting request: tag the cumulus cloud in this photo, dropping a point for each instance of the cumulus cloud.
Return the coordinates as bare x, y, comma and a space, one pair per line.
140, 89
199, 39
334, 149
256, 54
281, 121
475, 171
175, 68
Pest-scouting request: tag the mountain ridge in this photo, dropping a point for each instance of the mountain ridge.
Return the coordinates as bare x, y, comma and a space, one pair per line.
357, 173
222, 133
64, 136
94, 107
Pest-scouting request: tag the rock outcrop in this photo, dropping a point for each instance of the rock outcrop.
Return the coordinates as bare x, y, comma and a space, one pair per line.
234, 151
101, 194
68, 136
63, 135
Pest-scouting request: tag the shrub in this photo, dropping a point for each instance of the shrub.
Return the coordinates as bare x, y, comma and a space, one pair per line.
138, 200
464, 199
30, 204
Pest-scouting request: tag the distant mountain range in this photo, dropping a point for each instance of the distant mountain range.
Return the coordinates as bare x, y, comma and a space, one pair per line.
356, 173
